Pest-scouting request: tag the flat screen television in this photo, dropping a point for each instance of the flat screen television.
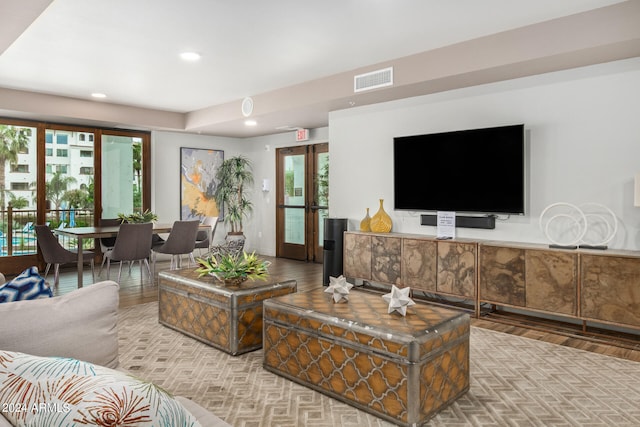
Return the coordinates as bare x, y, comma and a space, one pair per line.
473, 171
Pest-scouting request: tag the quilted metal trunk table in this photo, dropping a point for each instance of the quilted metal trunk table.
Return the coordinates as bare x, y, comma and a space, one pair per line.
227, 317
402, 369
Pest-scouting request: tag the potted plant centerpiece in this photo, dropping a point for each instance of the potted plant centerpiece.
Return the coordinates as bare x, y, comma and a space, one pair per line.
234, 268
136, 217
233, 176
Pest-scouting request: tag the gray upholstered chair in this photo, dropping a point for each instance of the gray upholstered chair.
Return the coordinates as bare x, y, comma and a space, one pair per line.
204, 238
181, 241
54, 253
132, 244
107, 243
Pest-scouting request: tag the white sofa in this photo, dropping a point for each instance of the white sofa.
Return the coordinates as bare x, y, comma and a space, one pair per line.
80, 325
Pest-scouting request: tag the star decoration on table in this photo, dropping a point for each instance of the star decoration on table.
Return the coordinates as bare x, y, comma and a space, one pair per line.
398, 300
339, 287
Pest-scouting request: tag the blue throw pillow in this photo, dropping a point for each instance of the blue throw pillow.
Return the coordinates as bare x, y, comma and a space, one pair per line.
26, 285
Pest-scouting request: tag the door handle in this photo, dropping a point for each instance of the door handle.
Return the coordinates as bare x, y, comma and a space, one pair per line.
293, 206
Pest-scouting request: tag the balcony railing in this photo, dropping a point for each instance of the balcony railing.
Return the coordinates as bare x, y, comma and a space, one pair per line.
17, 232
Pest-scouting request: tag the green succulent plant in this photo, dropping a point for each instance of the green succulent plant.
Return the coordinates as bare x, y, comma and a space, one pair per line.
146, 216
234, 267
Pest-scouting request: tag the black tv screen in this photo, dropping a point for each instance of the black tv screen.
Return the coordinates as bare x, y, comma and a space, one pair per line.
475, 171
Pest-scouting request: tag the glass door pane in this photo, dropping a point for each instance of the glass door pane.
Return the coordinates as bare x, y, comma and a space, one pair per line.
320, 206
294, 199
69, 180
18, 176
322, 193
291, 230
294, 226
122, 188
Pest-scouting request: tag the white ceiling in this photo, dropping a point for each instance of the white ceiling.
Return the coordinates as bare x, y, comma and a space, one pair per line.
128, 49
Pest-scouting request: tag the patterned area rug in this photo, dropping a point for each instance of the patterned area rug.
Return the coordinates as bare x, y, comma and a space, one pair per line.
515, 381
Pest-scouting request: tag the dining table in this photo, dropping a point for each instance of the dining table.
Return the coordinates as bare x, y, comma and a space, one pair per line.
81, 233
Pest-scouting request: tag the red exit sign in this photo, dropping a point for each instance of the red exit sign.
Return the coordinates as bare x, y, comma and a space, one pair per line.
302, 135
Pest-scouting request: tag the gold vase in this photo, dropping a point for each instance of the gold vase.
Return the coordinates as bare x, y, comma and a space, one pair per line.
381, 221
365, 224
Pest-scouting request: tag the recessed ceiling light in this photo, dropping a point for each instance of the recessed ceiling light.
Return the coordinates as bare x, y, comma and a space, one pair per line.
98, 95
250, 123
190, 56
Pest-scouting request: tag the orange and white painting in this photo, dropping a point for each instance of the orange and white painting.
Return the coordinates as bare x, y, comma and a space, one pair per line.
198, 183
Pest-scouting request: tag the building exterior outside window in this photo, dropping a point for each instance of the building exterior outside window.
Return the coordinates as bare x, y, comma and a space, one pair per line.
73, 156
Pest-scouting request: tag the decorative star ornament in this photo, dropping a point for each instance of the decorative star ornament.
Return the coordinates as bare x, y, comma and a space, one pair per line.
339, 287
398, 300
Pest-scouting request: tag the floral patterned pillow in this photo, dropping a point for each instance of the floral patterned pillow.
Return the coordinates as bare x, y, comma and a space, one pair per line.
53, 391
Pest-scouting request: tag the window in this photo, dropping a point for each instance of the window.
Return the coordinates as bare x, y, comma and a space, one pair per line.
62, 138
19, 186
81, 137
62, 153
48, 152
49, 169
48, 137
61, 168
86, 153
20, 168
86, 170
24, 150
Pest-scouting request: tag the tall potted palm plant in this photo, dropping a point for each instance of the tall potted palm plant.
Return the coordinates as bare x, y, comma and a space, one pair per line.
233, 176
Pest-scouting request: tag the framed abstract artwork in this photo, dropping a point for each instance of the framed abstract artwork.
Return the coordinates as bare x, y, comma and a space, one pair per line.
198, 183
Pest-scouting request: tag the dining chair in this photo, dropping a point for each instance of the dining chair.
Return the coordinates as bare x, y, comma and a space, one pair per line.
204, 238
181, 241
107, 243
54, 253
133, 243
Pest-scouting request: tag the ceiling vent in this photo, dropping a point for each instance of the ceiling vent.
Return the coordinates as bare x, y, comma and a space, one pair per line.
373, 80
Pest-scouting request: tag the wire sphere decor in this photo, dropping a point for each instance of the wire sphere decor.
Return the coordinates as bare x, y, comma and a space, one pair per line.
563, 224
588, 225
602, 224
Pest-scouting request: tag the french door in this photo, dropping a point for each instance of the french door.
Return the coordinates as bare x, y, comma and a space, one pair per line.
65, 176
302, 201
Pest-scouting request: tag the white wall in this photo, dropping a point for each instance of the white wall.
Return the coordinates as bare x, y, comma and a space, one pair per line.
165, 164
584, 141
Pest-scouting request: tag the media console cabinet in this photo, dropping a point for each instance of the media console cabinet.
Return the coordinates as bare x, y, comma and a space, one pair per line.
590, 286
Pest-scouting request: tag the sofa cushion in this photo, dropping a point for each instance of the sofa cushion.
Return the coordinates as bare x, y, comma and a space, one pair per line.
61, 391
27, 285
81, 324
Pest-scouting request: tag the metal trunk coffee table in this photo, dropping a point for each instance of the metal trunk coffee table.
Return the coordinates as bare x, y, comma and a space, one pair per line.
402, 369
227, 317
